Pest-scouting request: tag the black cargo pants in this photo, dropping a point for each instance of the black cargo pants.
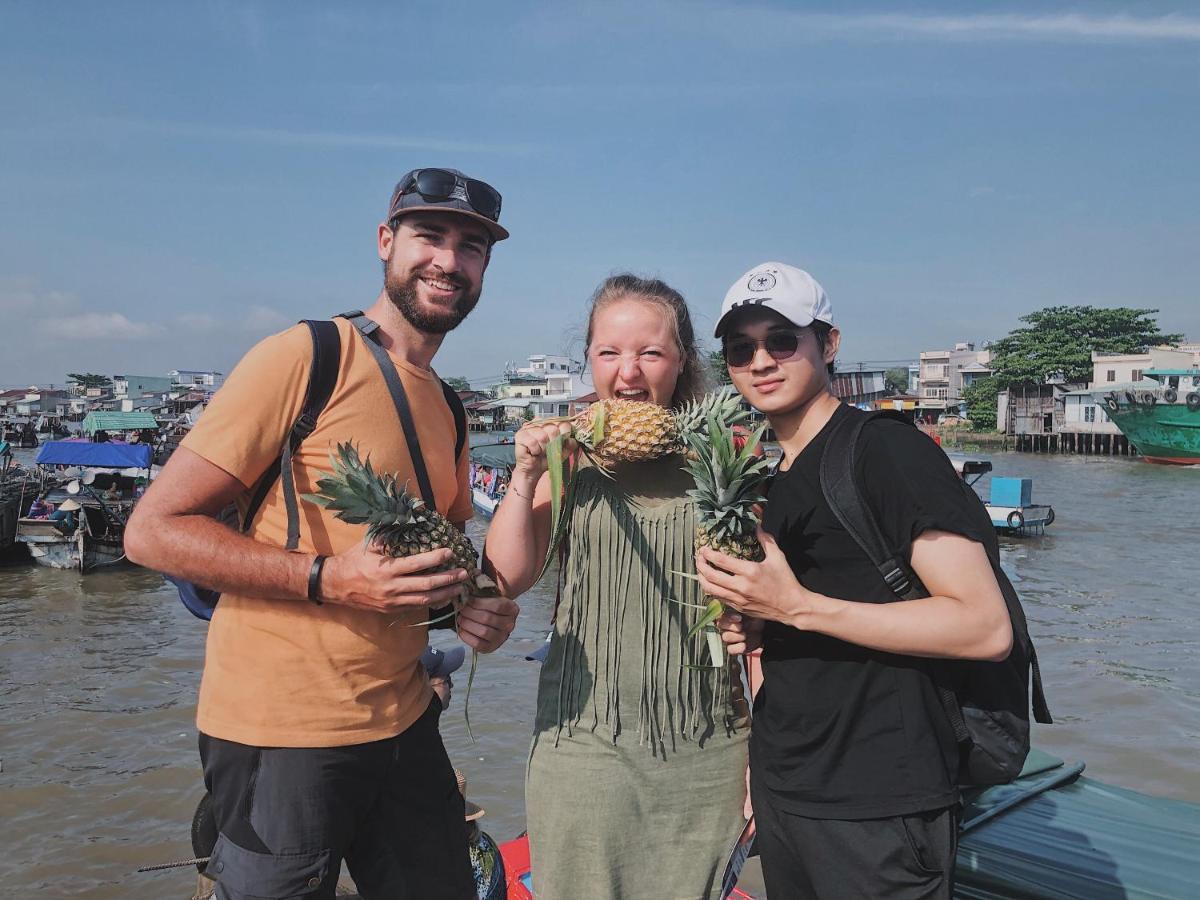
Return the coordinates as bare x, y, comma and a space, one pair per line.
288, 817
899, 858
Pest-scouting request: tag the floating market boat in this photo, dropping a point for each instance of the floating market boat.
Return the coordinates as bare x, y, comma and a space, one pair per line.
499, 459
1160, 414
107, 480
1011, 505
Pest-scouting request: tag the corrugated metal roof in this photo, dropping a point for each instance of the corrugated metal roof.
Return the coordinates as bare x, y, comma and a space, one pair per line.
118, 421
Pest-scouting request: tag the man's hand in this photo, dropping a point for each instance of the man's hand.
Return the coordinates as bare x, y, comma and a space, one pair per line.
741, 634
484, 623
364, 578
764, 590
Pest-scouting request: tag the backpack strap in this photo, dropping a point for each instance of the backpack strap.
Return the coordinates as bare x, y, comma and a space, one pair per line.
368, 328
322, 376
840, 487
460, 419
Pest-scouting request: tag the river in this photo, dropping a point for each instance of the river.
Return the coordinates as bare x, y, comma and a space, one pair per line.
98, 679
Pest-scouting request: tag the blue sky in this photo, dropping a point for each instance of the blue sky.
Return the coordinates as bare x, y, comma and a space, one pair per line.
180, 179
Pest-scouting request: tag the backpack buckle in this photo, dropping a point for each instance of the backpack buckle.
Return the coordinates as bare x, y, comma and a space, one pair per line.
897, 580
304, 426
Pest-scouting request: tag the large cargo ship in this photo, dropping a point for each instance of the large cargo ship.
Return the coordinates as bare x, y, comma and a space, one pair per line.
1160, 414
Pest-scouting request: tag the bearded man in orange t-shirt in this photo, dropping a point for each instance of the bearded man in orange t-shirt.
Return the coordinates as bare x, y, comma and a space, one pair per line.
318, 727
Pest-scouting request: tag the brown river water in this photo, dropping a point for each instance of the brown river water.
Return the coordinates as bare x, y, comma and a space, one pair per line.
98, 679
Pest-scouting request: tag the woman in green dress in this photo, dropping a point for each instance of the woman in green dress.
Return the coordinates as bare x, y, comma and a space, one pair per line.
636, 777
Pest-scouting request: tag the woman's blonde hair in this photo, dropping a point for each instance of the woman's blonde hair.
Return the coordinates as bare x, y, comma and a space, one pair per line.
626, 286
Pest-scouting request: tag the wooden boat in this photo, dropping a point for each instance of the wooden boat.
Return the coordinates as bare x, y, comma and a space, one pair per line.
1160, 414
500, 459
1011, 505
105, 490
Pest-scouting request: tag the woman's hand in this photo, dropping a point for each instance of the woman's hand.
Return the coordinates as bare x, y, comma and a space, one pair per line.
740, 634
531, 442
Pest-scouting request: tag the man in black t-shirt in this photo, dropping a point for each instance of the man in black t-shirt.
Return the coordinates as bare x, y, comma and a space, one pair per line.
853, 761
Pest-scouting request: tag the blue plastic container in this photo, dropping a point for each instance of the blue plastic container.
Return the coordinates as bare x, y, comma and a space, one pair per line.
1012, 491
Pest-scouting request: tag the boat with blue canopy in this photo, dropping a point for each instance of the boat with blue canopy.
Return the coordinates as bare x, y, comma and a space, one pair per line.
87, 494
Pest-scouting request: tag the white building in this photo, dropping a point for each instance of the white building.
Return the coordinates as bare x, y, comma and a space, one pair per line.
546, 386
944, 373
1126, 368
190, 379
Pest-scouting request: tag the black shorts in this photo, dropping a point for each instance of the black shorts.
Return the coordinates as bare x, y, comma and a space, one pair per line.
288, 817
903, 857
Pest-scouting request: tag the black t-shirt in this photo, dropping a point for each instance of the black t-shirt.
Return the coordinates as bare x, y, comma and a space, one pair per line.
842, 731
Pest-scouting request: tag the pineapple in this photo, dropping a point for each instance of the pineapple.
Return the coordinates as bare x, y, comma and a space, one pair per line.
400, 525
632, 430
728, 485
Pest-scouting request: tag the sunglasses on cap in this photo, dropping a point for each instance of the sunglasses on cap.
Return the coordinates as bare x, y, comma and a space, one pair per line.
439, 185
781, 345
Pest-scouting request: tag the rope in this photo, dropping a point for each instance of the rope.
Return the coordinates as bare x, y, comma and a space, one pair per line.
198, 861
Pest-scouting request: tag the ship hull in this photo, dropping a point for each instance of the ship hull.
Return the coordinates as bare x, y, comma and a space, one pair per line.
1164, 433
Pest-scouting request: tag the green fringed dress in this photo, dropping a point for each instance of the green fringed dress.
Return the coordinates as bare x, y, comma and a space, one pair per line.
636, 774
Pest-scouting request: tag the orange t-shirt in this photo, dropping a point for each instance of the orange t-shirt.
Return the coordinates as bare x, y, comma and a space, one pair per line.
285, 673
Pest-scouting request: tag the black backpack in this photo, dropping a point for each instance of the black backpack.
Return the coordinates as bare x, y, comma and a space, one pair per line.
987, 702
322, 376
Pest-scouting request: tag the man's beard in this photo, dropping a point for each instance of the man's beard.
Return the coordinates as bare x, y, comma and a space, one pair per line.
403, 294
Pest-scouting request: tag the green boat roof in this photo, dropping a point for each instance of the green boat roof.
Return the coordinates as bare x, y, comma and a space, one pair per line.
118, 421
495, 456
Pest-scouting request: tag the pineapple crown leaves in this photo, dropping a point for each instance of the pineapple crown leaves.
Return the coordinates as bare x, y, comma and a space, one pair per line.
728, 480
725, 404
359, 495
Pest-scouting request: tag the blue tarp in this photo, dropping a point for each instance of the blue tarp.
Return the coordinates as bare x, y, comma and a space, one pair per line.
82, 453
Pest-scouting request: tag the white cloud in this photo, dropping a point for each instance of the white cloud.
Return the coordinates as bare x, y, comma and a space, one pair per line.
981, 26
751, 27
100, 326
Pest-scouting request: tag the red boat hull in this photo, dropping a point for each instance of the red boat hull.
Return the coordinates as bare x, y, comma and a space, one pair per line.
516, 870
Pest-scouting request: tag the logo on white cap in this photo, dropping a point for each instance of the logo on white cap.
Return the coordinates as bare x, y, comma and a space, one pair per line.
761, 281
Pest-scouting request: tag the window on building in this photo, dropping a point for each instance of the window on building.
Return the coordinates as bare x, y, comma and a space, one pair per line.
1112, 374
535, 392
1047, 423
1137, 375
1089, 414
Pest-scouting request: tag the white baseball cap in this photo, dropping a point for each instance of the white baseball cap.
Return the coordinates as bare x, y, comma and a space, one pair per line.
781, 288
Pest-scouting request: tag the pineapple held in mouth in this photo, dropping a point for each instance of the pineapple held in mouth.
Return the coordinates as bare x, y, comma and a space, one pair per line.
618, 430
397, 523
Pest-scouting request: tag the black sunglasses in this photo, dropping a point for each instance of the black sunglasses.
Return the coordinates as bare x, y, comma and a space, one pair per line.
437, 185
781, 345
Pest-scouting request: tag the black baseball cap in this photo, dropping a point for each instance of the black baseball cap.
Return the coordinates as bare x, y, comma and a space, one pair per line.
448, 190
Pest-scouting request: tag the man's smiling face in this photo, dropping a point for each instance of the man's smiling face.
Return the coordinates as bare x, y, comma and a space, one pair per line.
435, 266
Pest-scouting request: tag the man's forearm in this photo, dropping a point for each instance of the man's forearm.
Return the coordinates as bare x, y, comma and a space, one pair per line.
208, 553
930, 626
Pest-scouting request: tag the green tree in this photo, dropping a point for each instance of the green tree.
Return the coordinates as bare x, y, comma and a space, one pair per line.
458, 383
896, 380
528, 414
717, 371
89, 380
980, 398
1059, 340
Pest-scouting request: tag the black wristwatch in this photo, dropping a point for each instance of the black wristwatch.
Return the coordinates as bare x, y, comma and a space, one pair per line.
314, 579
